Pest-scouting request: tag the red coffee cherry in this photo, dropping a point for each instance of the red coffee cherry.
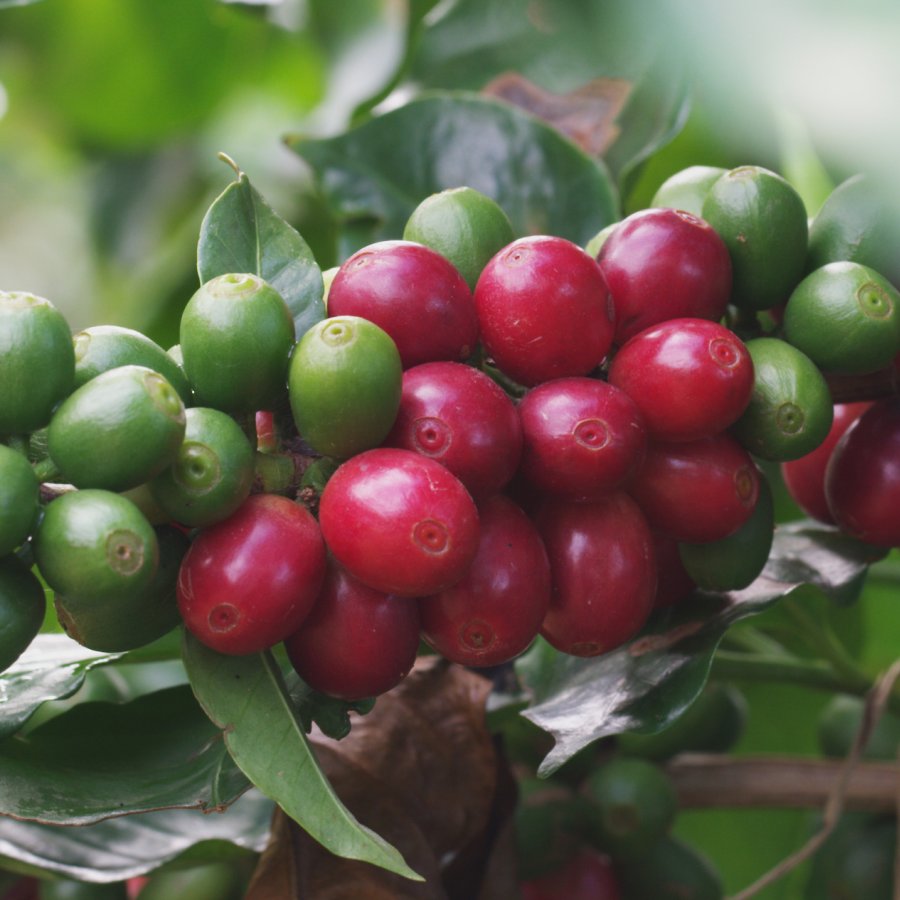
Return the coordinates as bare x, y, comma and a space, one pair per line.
357, 642
582, 437
862, 480
399, 522
804, 478
460, 417
664, 264
603, 571
587, 875
544, 310
496, 610
414, 294
674, 584
690, 378
697, 491
249, 581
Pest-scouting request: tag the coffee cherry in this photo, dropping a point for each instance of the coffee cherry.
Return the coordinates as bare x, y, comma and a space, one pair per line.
790, 409
344, 385
356, 642
463, 225
95, 542
117, 430
416, 295
670, 869
249, 581
544, 309
687, 188
698, 491
586, 875
862, 481
104, 347
690, 378
664, 264
211, 474
236, 336
845, 317
37, 361
603, 572
762, 220
674, 584
457, 415
399, 522
804, 478
19, 499
582, 437
495, 612
22, 605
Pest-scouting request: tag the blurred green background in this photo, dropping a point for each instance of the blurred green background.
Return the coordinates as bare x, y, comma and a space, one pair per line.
112, 113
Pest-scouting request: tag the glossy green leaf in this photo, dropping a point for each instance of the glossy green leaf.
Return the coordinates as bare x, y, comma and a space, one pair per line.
375, 175
247, 698
52, 668
650, 681
242, 233
128, 846
100, 759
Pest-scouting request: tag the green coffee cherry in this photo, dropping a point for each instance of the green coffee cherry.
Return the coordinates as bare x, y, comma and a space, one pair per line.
344, 385
19, 499
95, 542
66, 889
464, 226
117, 430
127, 619
846, 318
840, 721
732, 563
763, 222
22, 605
104, 347
595, 244
671, 870
687, 189
212, 473
236, 337
791, 410
711, 724
634, 806
37, 361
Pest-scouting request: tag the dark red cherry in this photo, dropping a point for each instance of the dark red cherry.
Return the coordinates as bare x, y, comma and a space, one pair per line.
603, 571
460, 417
582, 437
399, 522
414, 294
357, 642
690, 378
496, 611
664, 264
544, 310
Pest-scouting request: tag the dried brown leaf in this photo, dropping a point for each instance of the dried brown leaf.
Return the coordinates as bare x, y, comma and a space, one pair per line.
586, 115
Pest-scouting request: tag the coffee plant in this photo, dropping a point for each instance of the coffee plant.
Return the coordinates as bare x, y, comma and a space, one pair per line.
438, 554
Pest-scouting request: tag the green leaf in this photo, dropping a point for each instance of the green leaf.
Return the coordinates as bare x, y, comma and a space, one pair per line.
128, 846
331, 715
375, 175
53, 667
248, 700
100, 759
647, 683
242, 233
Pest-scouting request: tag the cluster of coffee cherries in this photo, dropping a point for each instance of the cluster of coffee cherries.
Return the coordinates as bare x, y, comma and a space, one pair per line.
486, 439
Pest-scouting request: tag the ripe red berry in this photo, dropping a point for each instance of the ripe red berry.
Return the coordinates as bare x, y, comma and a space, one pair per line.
603, 571
400, 522
664, 264
804, 478
457, 415
862, 480
414, 294
587, 875
249, 581
690, 378
496, 611
544, 310
357, 642
699, 490
582, 437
